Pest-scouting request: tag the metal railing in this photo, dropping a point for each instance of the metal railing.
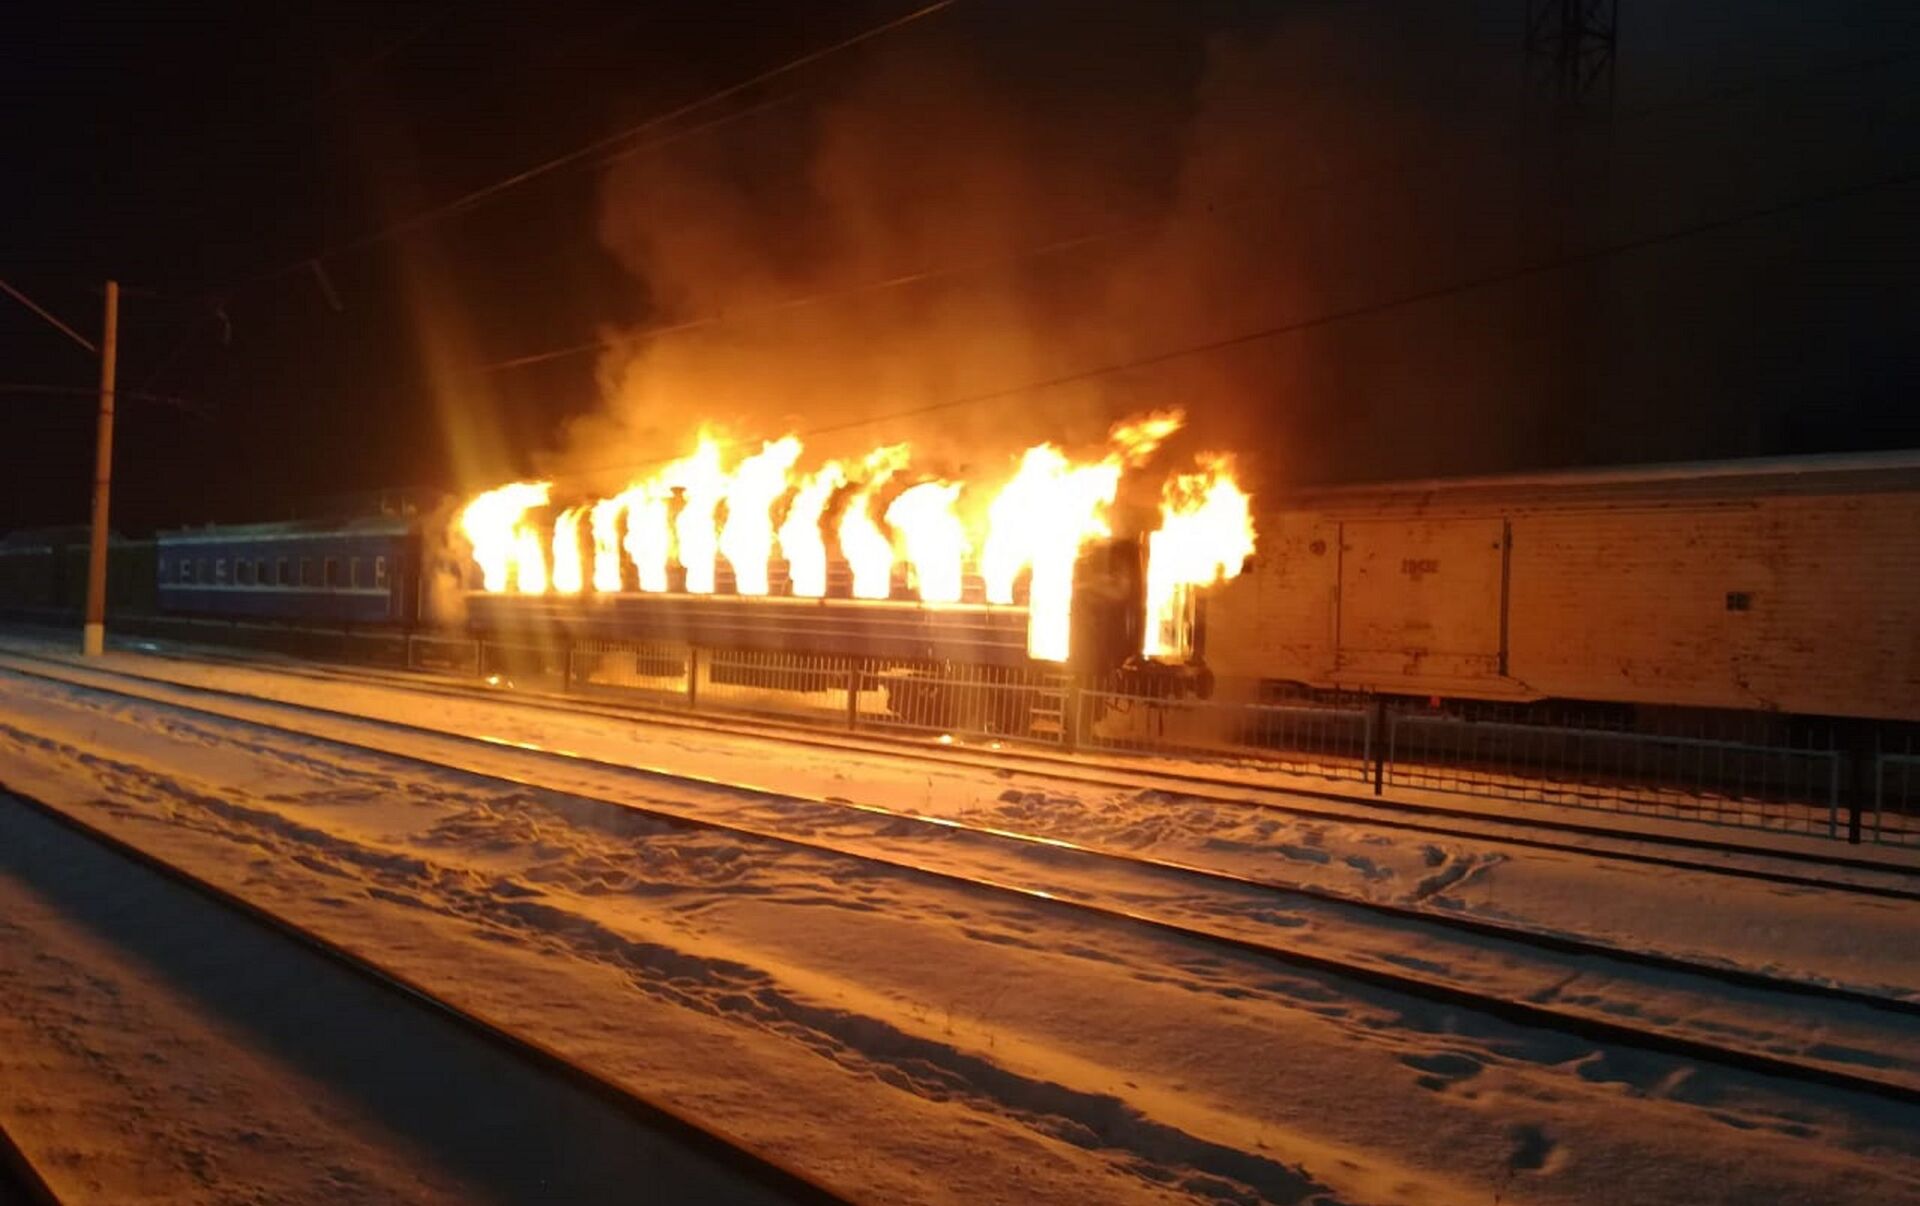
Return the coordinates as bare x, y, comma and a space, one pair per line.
1332, 743
1759, 771
1728, 782
1896, 796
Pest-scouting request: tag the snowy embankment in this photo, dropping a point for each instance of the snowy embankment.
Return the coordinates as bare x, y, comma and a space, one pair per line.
1846, 1037
1859, 942
915, 1042
157, 1047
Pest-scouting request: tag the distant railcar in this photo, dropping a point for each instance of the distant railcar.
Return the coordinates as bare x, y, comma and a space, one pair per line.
44, 574
30, 568
1788, 586
355, 571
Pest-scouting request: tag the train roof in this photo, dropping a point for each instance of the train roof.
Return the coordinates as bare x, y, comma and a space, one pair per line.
291, 529
1842, 473
46, 540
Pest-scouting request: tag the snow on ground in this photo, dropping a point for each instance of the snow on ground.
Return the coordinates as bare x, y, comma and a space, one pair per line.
1857, 941
914, 1042
1841, 1035
155, 1047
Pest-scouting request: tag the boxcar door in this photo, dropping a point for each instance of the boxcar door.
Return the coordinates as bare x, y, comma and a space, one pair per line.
1421, 602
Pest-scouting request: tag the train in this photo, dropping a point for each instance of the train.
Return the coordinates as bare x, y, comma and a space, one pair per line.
1783, 587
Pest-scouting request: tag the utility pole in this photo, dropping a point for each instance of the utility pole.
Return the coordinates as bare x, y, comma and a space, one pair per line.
94, 636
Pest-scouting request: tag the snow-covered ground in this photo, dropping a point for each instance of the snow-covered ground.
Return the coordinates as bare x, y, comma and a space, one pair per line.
155, 1047
1858, 941
910, 1041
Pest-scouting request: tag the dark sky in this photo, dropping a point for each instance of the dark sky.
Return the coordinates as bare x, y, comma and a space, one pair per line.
198, 152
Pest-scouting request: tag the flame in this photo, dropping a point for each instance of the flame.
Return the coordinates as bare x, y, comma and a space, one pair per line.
505, 545
1205, 536
800, 540
1035, 525
935, 540
1038, 522
1135, 440
868, 552
605, 522
649, 540
703, 484
567, 569
747, 540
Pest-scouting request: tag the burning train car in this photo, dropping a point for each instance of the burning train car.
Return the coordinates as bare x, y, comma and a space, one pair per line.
1047, 570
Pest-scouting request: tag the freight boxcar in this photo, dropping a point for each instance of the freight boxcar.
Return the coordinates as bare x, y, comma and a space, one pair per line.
1787, 586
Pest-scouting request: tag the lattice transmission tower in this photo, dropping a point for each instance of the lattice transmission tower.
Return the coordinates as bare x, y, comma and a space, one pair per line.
1570, 52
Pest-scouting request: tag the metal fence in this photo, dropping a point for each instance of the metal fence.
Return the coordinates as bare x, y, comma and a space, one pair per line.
1759, 771
1332, 743
1896, 795
1729, 782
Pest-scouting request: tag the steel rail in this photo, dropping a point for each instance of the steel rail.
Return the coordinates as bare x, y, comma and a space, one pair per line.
1519, 1012
726, 1149
1560, 943
1192, 785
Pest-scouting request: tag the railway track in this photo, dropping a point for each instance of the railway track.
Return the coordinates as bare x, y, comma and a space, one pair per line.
1595, 1024
689, 1145
1302, 801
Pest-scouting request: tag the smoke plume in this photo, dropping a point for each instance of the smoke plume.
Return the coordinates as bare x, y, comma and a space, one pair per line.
944, 226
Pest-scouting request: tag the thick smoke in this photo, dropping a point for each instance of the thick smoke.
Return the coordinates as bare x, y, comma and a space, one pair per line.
1097, 211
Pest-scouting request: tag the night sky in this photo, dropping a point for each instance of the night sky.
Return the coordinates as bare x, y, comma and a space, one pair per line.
1232, 168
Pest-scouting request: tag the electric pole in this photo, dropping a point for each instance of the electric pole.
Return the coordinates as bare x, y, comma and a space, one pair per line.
94, 636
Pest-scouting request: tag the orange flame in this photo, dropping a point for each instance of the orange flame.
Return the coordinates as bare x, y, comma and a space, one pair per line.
868, 552
1205, 536
1035, 525
747, 540
568, 573
703, 484
1038, 522
1135, 440
605, 522
800, 540
506, 546
935, 540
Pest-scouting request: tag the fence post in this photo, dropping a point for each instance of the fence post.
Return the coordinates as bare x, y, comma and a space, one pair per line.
1070, 714
479, 658
566, 667
1379, 743
693, 677
1860, 755
853, 694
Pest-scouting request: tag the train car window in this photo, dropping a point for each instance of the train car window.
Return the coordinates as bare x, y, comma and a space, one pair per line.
243, 572
355, 578
162, 569
263, 572
332, 578
285, 576
202, 571
185, 570
309, 573
380, 572
220, 571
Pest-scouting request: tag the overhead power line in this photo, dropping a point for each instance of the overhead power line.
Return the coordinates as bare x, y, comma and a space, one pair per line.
606, 143
1344, 314
1422, 160
88, 391
43, 312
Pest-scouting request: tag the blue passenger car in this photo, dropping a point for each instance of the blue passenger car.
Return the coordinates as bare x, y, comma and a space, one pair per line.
355, 571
